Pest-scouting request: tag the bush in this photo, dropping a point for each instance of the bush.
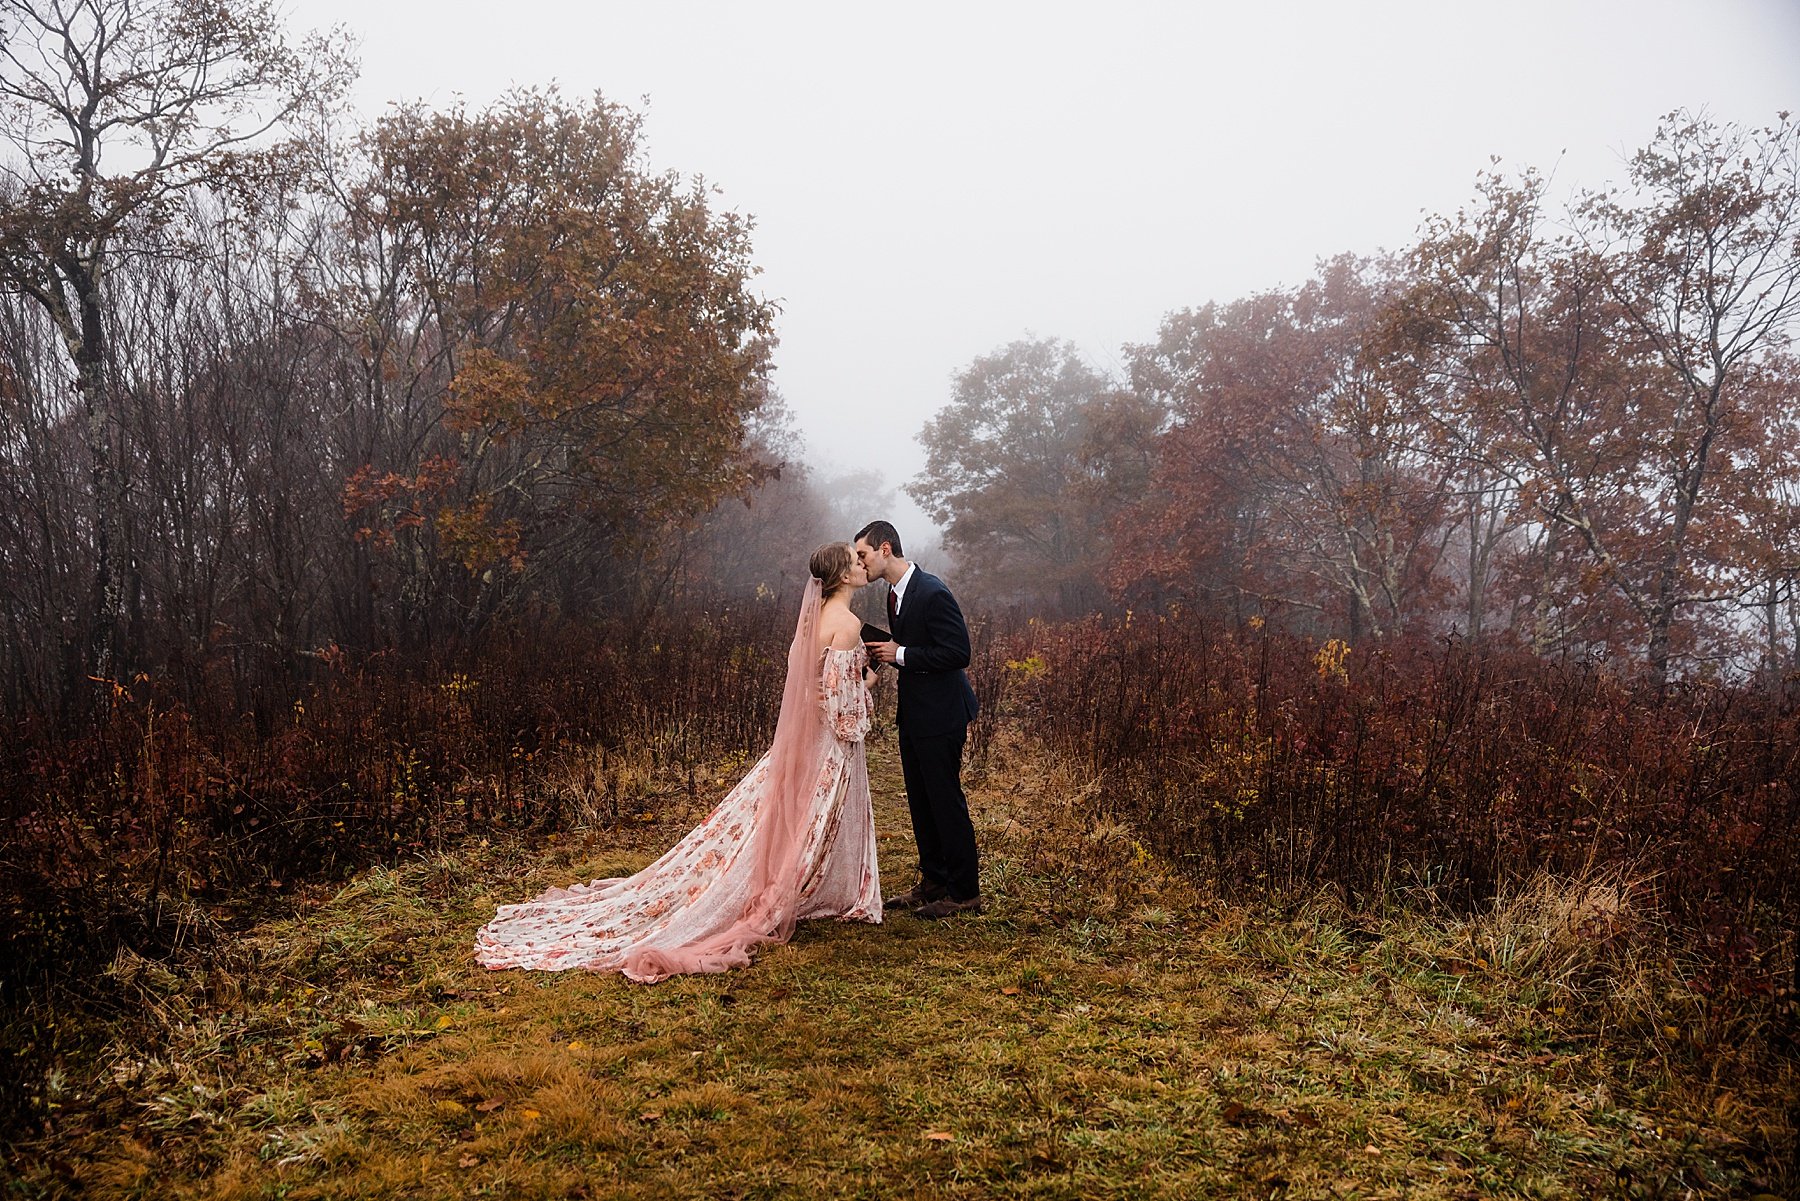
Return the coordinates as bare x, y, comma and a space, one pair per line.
1263, 763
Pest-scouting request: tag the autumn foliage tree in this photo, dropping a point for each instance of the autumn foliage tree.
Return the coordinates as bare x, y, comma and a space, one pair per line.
1701, 254
1622, 391
590, 328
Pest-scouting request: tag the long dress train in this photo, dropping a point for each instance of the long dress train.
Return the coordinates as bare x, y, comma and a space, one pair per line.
795, 839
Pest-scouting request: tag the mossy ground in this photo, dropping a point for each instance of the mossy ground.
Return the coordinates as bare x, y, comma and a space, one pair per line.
1101, 1031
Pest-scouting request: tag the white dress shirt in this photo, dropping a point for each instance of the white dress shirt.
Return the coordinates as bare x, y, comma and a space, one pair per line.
900, 599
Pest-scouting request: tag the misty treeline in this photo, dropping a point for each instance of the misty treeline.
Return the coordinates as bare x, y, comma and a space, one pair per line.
1573, 427
273, 386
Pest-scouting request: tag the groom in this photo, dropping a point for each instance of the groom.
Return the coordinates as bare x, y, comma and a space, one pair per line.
929, 648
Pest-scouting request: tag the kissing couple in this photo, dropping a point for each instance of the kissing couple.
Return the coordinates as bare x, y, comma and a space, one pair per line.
795, 838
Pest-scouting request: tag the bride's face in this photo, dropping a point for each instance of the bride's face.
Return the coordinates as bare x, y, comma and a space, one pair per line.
857, 576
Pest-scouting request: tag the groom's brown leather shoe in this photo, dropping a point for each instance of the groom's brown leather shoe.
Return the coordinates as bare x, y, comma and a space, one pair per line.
919, 894
947, 906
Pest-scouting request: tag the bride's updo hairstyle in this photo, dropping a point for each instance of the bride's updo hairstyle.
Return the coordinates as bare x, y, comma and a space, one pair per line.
830, 564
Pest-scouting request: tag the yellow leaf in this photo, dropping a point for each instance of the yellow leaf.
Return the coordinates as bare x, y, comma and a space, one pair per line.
530, 1115
444, 1021
576, 1044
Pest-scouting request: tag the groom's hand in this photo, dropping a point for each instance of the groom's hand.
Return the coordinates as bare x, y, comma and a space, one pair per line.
882, 652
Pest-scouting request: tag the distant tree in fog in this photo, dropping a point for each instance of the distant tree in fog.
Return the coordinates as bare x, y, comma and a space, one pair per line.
1290, 477
1025, 469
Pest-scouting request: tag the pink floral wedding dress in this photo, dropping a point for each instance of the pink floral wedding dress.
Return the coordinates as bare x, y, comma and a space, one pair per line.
795, 839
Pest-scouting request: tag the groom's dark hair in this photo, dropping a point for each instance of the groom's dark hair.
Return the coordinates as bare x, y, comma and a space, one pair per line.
877, 532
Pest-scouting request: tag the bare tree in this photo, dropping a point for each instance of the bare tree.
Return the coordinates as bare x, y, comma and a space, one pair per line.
1705, 250
113, 109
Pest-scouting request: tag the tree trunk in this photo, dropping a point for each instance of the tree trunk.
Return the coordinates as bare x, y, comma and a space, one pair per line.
106, 609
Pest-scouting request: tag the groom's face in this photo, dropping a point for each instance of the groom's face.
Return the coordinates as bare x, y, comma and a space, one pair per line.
874, 559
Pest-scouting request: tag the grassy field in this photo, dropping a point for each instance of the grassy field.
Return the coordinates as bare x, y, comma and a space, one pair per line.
1100, 1032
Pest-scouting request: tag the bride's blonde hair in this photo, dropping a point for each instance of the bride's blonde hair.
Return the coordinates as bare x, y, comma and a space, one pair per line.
830, 564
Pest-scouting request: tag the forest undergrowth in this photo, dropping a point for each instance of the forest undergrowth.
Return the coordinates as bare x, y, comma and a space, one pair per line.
1105, 1029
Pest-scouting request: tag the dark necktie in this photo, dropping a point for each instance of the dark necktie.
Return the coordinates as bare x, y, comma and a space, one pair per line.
893, 609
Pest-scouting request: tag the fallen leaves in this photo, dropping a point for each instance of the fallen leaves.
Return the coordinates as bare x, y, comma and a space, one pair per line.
940, 1136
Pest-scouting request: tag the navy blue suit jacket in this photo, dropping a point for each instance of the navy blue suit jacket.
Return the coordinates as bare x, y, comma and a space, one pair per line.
935, 697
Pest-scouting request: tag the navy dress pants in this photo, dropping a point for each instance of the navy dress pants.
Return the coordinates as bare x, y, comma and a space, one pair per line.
932, 767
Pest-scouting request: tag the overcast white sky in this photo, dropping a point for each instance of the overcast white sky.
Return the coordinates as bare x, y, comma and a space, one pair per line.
930, 181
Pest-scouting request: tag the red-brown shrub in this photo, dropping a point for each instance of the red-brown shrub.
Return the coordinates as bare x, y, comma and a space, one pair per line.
1265, 763
111, 829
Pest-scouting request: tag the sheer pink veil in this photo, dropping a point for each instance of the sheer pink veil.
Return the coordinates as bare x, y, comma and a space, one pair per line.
796, 757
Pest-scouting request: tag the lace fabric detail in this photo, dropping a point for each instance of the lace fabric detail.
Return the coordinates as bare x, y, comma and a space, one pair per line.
706, 901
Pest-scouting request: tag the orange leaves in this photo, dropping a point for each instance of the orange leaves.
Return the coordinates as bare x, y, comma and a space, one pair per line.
364, 489
470, 533
489, 391
386, 503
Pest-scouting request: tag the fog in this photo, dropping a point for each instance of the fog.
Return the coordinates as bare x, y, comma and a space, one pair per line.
929, 183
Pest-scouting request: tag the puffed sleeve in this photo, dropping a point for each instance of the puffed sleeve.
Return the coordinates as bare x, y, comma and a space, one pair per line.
845, 696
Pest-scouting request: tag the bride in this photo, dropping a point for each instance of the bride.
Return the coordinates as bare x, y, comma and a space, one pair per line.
794, 839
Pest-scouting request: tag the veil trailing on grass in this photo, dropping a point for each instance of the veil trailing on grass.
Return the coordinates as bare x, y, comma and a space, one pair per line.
803, 740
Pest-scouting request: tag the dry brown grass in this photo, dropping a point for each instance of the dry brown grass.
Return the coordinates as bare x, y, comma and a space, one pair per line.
1101, 1032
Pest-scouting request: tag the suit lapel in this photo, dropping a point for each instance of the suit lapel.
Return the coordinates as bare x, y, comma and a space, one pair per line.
909, 604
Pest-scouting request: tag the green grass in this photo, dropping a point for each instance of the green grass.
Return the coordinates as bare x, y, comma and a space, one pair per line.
1100, 1032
